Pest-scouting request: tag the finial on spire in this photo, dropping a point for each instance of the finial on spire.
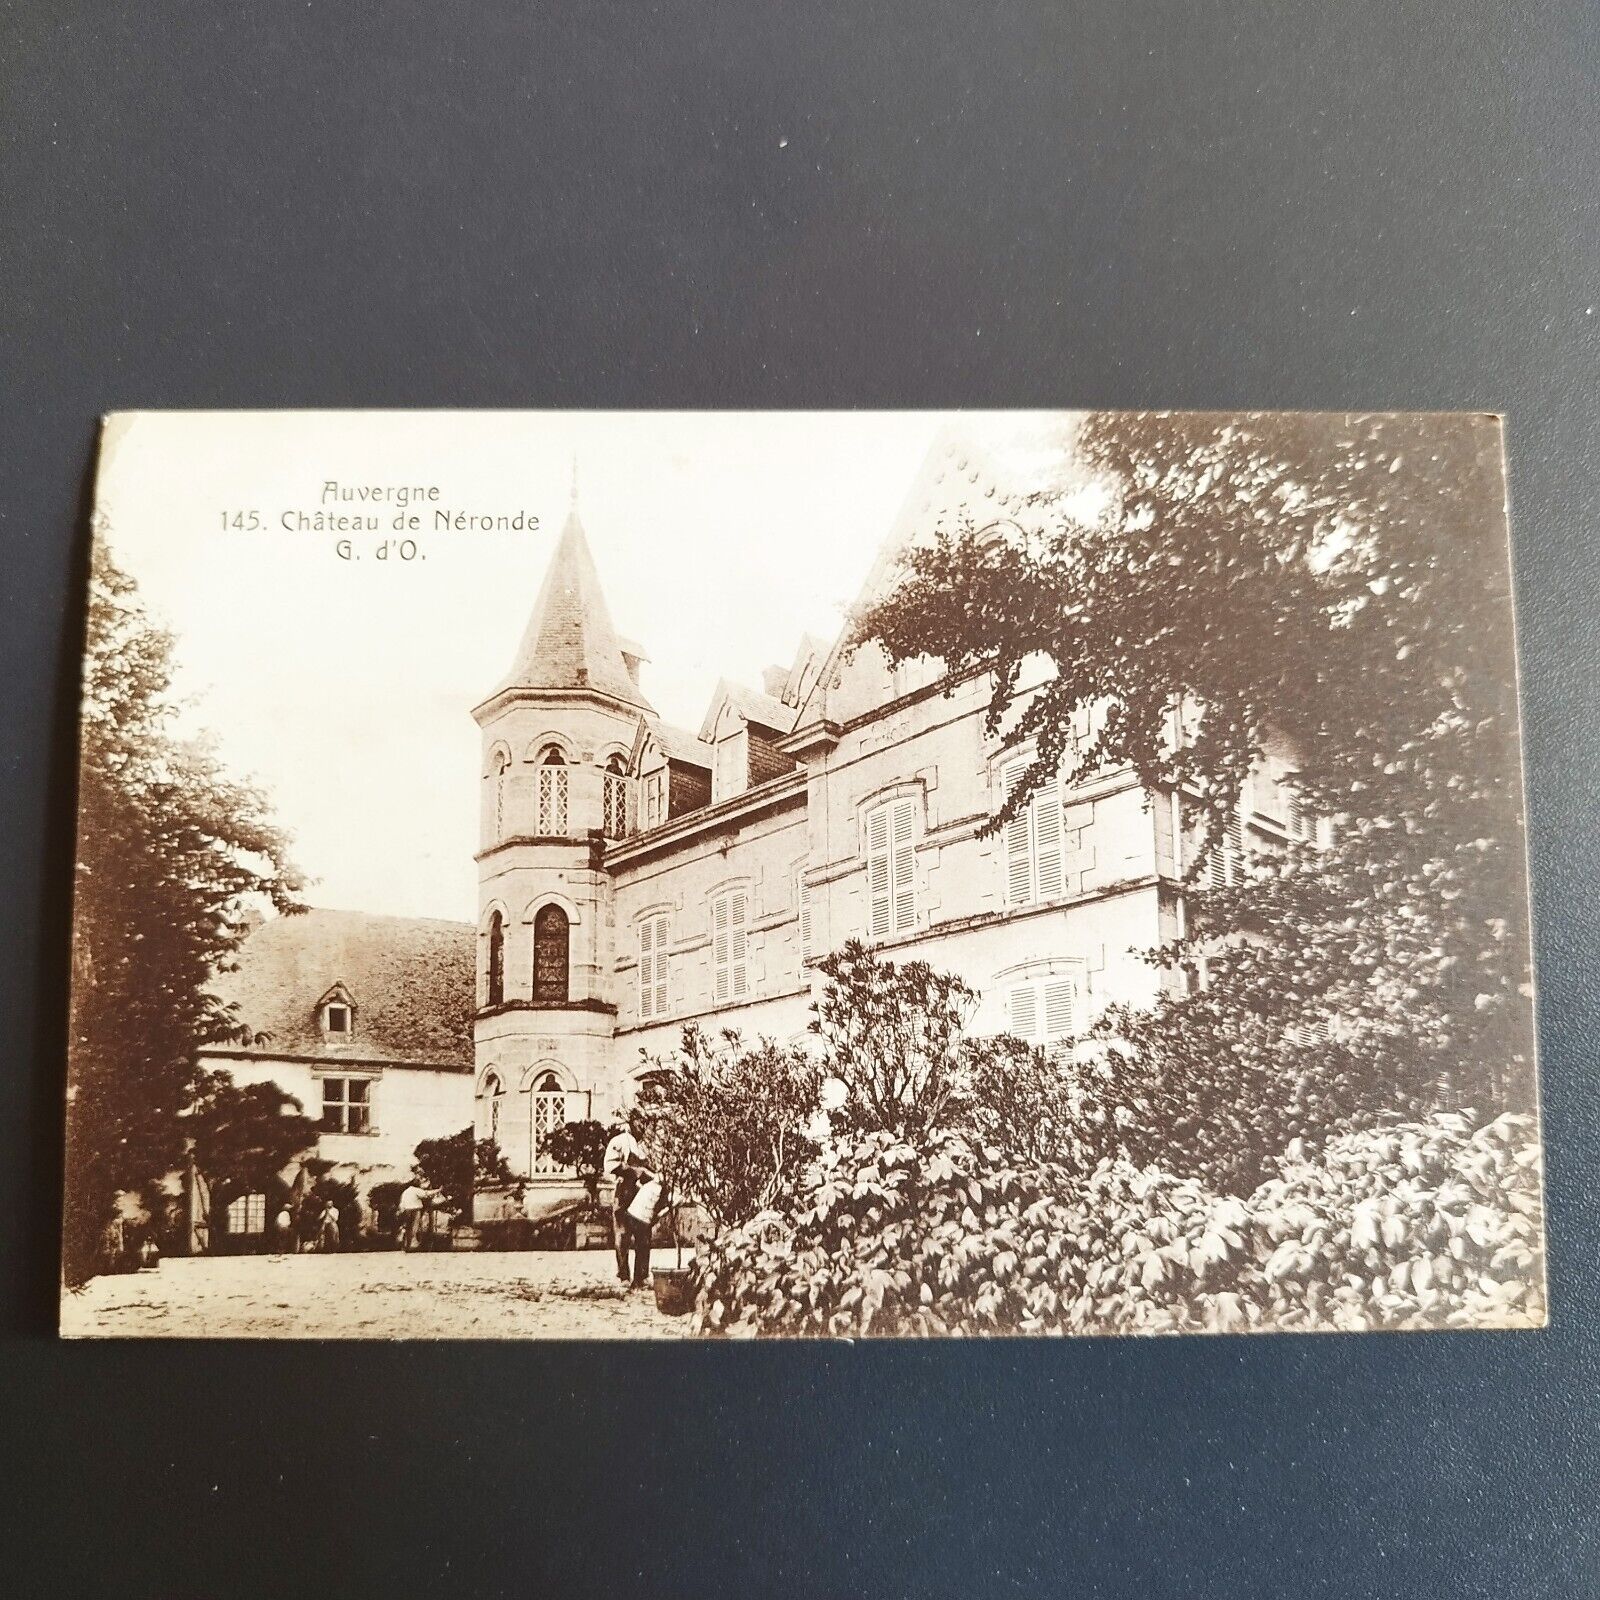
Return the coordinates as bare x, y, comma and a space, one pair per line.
574, 501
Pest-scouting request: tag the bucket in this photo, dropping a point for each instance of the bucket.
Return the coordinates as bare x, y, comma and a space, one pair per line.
674, 1290
642, 1208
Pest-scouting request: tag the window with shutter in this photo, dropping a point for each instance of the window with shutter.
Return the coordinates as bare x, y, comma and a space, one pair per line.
1058, 1008
803, 896
1043, 1011
738, 943
892, 868
1225, 865
1034, 842
653, 967
1023, 1008
730, 945
719, 947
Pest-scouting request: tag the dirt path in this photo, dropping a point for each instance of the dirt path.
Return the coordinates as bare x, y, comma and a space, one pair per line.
379, 1295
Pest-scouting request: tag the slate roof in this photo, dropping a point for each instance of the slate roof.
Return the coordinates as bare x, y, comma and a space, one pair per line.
752, 705
678, 744
412, 982
569, 642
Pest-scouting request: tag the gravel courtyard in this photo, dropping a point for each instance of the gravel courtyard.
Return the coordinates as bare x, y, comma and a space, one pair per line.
554, 1294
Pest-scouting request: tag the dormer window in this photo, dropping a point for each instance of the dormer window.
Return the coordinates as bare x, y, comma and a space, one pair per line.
336, 1013
732, 772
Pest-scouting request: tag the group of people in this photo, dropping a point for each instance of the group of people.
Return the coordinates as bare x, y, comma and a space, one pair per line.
314, 1227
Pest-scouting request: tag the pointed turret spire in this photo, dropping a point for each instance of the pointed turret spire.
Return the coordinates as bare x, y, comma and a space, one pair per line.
569, 642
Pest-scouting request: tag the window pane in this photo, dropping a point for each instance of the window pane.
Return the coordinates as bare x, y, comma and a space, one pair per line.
358, 1090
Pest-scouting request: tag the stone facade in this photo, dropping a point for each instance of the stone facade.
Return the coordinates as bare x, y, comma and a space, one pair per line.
840, 800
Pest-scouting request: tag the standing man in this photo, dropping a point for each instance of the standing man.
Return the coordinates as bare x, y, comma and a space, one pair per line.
410, 1208
624, 1165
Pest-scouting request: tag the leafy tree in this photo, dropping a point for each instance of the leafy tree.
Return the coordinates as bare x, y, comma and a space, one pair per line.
454, 1166
726, 1121
895, 1035
1340, 582
1033, 1107
581, 1146
245, 1134
174, 856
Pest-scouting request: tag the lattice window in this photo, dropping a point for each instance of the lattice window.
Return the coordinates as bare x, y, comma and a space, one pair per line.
730, 942
891, 868
547, 1111
551, 942
1035, 865
502, 763
492, 1097
494, 988
615, 805
552, 807
653, 966
247, 1213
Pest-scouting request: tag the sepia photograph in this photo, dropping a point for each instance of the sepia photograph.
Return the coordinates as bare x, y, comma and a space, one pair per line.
603, 875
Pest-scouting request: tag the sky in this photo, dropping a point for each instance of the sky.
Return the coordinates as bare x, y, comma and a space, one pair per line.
344, 685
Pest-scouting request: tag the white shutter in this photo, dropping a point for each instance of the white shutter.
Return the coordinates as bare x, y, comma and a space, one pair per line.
879, 890
647, 967
1058, 1008
803, 895
1023, 1006
659, 1007
1236, 846
720, 945
738, 941
1047, 832
904, 865
1018, 841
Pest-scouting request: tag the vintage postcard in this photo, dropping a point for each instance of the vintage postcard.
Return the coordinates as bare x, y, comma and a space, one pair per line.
603, 875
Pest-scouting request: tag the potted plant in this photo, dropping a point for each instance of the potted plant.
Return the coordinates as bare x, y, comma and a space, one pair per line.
674, 1286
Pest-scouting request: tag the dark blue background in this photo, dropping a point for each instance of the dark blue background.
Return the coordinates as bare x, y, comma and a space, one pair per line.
1374, 203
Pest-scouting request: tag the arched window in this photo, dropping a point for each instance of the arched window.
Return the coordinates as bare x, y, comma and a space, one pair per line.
552, 819
615, 789
550, 949
491, 1097
502, 763
495, 988
547, 1110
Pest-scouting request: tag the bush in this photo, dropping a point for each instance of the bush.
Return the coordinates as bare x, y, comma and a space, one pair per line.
725, 1122
454, 1166
1433, 1224
581, 1146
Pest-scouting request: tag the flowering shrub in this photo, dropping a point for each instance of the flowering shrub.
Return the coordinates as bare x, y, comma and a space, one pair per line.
1429, 1224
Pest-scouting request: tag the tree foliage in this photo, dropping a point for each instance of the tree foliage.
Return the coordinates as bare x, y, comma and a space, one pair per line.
896, 1035
174, 856
457, 1164
582, 1146
1425, 1225
1341, 584
245, 1134
726, 1121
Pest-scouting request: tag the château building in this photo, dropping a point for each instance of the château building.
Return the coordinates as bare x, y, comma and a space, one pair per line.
635, 876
